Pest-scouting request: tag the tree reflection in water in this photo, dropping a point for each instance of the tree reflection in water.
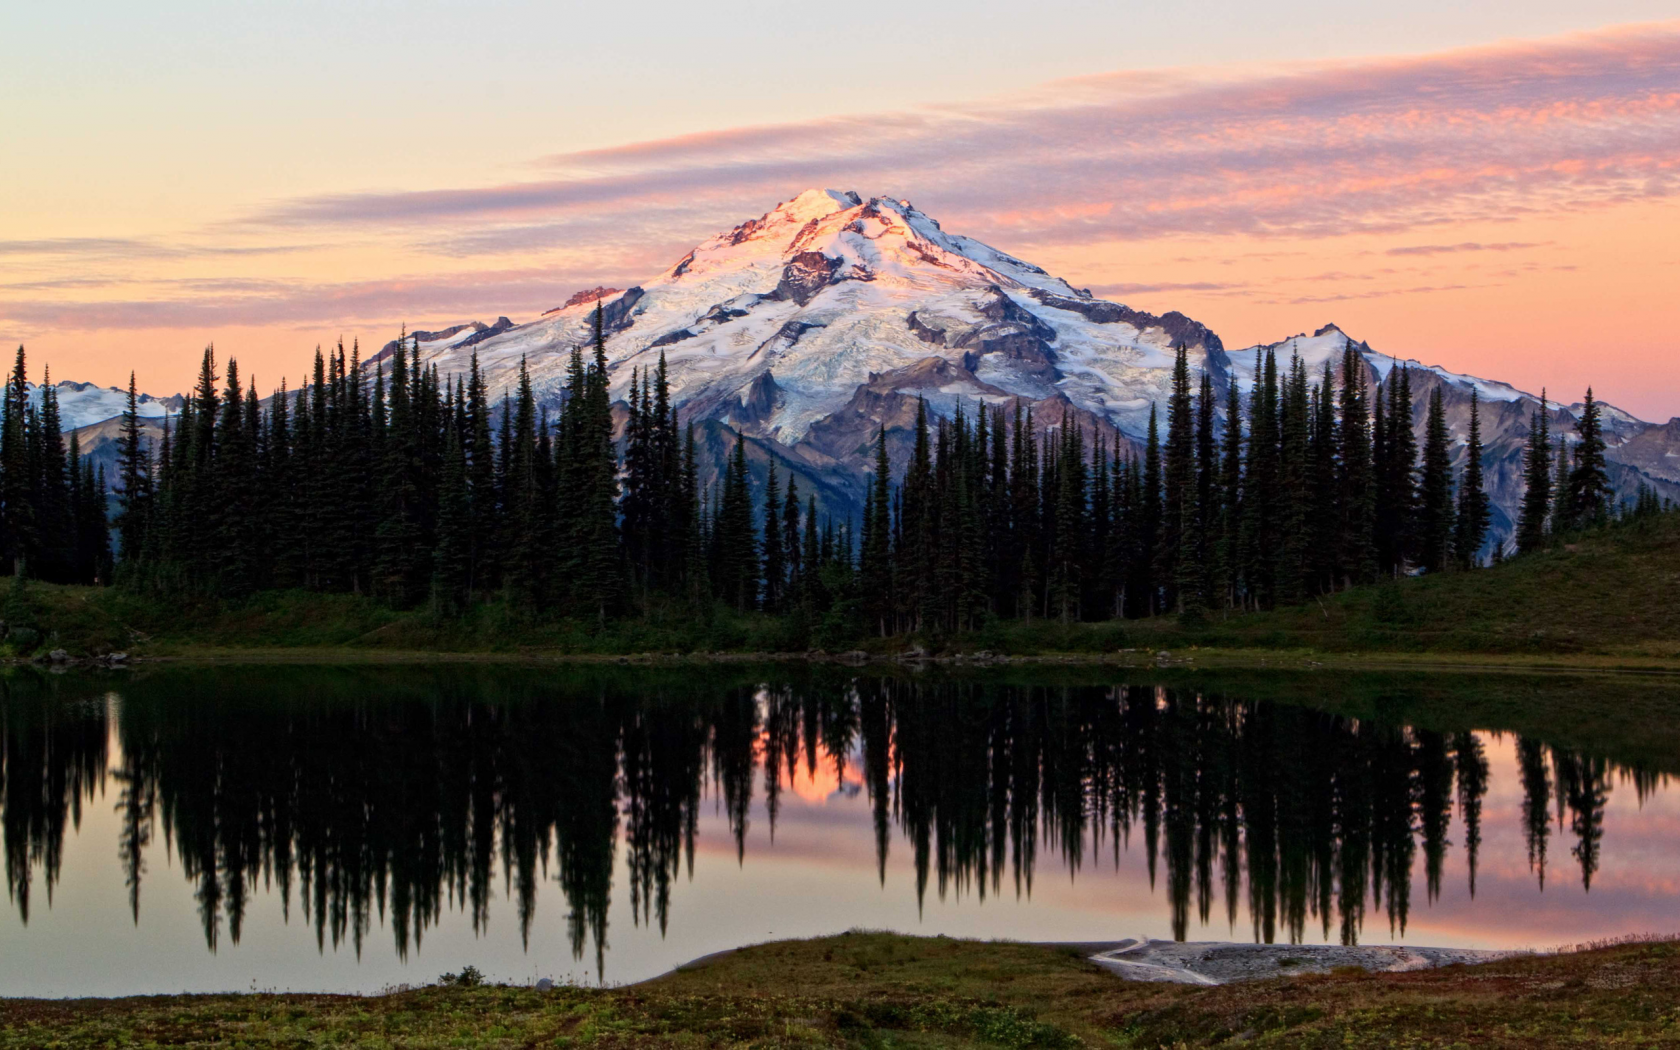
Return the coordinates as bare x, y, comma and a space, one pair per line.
397, 795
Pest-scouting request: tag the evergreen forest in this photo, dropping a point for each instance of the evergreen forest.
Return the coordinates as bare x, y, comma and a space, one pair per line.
417, 490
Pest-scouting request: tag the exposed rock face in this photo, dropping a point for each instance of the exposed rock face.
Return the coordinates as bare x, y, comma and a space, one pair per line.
455, 337
588, 295
805, 275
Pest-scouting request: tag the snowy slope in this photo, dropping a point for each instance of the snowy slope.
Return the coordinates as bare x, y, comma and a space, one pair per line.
84, 404
829, 289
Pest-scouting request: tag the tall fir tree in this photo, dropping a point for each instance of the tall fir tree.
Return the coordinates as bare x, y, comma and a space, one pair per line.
1588, 495
1537, 482
1474, 513
1434, 523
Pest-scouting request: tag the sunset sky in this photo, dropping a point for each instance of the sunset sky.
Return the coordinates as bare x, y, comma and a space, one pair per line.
1493, 187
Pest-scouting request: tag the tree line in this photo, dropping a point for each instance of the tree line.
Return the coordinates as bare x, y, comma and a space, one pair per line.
411, 487
53, 521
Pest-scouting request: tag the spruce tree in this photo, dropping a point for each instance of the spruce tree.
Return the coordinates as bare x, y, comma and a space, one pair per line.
1588, 496
1537, 482
1356, 491
793, 551
1471, 522
597, 586
734, 539
16, 505
1174, 564
1434, 527
1294, 562
1202, 540
1231, 509
452, 555
775, 562
134, 468
1562, 519
1151, 513
876, 568
1399, 531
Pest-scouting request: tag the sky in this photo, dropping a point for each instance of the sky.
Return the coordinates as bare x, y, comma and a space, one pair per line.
1492, 187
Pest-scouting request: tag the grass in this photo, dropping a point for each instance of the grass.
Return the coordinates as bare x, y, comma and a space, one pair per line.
1605, 598
880, 990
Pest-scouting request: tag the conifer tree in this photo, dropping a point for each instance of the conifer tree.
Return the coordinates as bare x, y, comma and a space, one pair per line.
1262, 495
1174, 565
1202, 539
1537, 481
1561, 520
793, 551
1231, 510
401, 570
17, 517
1293, 564
1355, 483
875, 567
1149, 537
479, 451
1588, 495
134, 468
734, 543
916, 524
452, 556
1069, 512
775, 563
1399, 533
1470, 524
597, 585
1435, 503
1324, 518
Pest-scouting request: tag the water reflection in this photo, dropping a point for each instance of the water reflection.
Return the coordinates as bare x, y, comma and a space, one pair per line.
396, 797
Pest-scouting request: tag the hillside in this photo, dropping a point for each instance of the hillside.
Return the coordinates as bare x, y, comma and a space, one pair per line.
882, 989
1609, 592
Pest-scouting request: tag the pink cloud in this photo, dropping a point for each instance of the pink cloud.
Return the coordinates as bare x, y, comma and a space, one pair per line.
1387, 145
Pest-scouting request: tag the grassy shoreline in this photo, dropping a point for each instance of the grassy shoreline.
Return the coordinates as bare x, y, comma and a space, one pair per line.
878, 989
1604, 601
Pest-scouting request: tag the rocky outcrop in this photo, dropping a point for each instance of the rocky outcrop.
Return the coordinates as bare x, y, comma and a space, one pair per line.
588, 295
806, 274
616, 315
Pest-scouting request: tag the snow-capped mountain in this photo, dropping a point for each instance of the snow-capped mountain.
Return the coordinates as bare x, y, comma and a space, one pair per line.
777, 323
809, 327
84, 404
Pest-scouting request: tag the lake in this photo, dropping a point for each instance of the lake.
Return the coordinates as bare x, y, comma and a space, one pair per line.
358, 828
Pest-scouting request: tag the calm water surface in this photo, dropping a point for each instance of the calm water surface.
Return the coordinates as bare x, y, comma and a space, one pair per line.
354, 829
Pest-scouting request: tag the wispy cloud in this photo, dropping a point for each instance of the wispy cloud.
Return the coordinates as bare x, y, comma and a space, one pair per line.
122, 248
1466, 246
1416, 146
1113, 290
1384, 145
238, 301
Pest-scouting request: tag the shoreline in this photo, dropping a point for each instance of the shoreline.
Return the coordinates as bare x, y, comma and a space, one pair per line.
1191, 659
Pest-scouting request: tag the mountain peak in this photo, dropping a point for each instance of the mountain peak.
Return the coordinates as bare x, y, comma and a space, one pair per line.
817, 204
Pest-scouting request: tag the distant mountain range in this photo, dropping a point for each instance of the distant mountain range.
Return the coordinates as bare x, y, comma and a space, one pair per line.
810, 326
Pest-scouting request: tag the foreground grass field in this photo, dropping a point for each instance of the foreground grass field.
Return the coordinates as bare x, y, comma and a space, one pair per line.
879, 990
1609, 596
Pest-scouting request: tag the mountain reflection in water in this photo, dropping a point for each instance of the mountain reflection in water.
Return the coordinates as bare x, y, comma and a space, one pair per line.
399, 796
